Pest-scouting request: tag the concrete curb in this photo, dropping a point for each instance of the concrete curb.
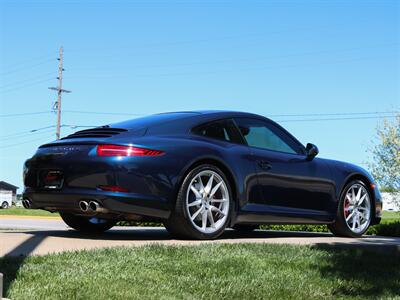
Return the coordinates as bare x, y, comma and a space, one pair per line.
18, 217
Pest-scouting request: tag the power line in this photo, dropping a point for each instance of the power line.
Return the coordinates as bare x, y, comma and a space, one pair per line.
31, 59
25, 142
270, 116
235, 37
334, 119
37, 131
102, 113
275, 115
79, 126
27, 67
336, 114
26, 85
357, 116
40, 131
26, 80
25, 114
249, 68
28, 134
272, 57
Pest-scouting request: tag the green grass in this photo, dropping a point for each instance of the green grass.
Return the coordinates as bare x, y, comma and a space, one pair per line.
390, 216
213, 271
20, 211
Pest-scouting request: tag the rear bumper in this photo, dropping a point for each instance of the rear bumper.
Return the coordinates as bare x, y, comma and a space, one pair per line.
115, 202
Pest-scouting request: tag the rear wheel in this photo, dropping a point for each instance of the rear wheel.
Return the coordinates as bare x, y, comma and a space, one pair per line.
87, 224
354, 213
4, 205
203, 206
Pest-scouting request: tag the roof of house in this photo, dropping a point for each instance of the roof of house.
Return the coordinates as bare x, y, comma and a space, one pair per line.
6, 185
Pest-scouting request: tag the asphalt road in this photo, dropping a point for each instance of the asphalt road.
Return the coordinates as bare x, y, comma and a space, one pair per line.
39, 236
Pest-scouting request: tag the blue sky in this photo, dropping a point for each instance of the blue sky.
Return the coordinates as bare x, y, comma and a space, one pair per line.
141, 57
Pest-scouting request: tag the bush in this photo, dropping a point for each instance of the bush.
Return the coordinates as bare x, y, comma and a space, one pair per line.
139, 224
308, 228
386, 229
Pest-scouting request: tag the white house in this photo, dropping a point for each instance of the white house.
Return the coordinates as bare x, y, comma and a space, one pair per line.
391, 201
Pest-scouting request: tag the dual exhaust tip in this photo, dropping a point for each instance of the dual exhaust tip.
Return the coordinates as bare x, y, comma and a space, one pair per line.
91, 206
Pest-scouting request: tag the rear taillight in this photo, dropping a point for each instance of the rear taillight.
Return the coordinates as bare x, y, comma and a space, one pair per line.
116, 150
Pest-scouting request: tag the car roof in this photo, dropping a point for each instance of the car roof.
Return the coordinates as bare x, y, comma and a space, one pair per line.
182, 117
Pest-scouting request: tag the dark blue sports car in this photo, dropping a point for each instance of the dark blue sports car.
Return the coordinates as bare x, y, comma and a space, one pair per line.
198, 173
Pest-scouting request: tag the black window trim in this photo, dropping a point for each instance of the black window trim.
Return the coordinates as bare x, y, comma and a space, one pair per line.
229, 119
281, 133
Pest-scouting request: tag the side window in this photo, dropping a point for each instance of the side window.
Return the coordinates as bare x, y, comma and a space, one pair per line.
224, 130
263, 135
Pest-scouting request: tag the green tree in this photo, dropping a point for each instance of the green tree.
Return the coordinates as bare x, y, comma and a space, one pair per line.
385, 164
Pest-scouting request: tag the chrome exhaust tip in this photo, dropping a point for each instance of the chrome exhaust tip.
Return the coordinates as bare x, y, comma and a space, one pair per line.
84, 206
97, 207
94, 206
27, 204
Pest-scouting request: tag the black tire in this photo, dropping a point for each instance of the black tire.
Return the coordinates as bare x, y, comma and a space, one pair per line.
245, 227
4, 205
84, 224
179, 225
340, 227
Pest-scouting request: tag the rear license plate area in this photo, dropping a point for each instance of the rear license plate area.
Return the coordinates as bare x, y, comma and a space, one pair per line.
51, 179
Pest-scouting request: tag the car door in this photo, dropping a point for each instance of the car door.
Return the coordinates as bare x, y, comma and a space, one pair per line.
238, 158
291, 185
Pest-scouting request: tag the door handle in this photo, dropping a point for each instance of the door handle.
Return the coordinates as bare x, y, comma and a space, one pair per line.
264, 165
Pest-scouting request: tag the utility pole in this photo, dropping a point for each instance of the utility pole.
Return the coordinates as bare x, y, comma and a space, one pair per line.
59, 90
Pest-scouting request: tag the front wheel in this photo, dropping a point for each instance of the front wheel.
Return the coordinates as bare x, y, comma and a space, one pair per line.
203, 206
87, 224
354, 213
4, 205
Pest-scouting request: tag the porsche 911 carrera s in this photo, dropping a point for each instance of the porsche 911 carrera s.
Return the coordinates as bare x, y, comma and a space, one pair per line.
198, 173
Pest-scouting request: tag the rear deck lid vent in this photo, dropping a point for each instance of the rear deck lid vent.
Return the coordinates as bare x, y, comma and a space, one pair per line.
98, 132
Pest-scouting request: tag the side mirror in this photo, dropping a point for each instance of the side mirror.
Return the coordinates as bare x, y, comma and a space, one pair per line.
311, 151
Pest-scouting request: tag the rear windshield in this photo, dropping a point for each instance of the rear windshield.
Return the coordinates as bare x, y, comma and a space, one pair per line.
152, 120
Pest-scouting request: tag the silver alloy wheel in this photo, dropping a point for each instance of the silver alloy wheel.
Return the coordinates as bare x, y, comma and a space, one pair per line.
357, 208
207, 202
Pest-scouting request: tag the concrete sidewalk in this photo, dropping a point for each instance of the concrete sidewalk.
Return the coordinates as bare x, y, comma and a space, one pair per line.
24, 235
15, 243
